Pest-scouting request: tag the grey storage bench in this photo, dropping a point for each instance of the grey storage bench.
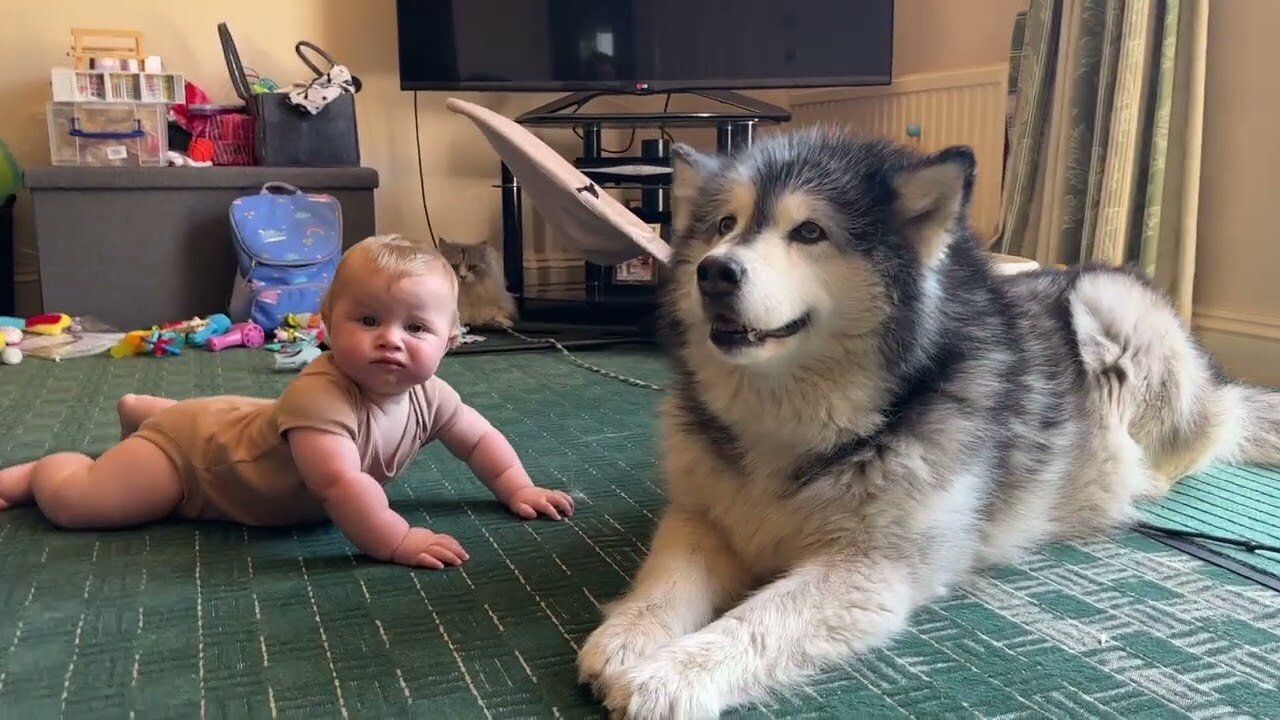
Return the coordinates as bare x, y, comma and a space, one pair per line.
142, 246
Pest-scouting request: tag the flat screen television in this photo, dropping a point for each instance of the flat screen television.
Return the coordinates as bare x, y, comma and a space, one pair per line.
642, 46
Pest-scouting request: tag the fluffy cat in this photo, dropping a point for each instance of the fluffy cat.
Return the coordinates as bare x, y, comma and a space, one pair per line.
483, 300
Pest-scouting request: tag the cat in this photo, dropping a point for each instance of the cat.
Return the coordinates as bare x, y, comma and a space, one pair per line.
483, 300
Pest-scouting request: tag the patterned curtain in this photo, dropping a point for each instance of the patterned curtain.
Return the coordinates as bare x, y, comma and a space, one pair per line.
1104, 140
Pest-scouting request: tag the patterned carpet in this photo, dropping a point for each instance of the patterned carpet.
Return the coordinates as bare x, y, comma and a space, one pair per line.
180, 620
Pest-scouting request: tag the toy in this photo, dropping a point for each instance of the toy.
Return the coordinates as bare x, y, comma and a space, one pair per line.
248, 333
51, 324
160, 343
296, 358
130, 344
10, 336
10, 173
211, 326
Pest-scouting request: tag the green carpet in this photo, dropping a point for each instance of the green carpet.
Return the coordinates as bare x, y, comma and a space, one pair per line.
185, 620
1235, 502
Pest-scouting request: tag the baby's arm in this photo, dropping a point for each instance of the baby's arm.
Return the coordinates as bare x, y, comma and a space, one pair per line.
485, 450
330, 466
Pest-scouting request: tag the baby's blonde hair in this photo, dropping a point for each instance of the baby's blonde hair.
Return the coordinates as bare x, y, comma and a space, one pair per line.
391, 255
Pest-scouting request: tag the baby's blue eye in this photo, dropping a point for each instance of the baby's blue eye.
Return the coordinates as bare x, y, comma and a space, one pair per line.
416, 328
368, 321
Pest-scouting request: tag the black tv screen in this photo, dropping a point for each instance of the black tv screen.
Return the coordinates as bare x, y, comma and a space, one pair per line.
642, 45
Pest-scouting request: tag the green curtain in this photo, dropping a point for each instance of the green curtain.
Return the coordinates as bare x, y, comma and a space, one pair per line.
1103, 163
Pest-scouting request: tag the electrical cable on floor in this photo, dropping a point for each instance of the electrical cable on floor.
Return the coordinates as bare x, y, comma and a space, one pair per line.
1241, 543
1182, 541
587, 366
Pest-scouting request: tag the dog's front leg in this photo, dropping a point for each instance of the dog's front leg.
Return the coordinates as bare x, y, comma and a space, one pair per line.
688, 574
814, 616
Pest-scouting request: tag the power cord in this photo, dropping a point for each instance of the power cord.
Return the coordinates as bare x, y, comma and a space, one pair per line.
422, 184
1241, 543
587, 366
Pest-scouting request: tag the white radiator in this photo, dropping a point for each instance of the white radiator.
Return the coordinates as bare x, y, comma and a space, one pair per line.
966, 107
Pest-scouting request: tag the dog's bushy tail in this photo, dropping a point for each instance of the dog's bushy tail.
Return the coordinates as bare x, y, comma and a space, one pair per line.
1255, 432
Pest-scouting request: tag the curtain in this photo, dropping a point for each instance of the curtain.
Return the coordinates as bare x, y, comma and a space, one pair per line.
1103, 162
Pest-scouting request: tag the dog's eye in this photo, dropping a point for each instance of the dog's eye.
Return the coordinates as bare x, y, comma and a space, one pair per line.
727, 224
808, 232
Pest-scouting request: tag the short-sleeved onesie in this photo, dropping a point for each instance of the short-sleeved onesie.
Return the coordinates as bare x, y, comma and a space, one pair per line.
235, 462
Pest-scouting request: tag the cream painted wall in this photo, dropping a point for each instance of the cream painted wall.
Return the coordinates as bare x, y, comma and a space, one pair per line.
459, 167
1237, 296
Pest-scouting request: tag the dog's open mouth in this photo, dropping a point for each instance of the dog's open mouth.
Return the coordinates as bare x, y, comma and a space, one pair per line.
730, 333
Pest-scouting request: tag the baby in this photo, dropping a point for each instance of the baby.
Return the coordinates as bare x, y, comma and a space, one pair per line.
349, 423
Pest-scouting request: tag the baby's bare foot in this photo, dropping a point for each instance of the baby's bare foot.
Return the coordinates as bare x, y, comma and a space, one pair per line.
15, 485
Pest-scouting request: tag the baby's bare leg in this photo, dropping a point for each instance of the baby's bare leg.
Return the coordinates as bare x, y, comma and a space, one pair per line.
135, 409
130, 484
15, 485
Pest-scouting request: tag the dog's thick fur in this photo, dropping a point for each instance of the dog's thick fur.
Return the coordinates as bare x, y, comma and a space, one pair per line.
932, 417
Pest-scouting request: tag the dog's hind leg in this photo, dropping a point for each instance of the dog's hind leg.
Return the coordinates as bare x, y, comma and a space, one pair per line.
816, 615
689, 575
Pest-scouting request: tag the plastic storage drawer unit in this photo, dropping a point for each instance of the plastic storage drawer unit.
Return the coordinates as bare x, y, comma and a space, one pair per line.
108, 134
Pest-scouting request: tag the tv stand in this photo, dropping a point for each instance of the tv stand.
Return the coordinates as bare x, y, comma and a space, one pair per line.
748, 110
734, 126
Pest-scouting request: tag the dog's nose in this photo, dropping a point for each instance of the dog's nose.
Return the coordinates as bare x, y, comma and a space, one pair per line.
720, 275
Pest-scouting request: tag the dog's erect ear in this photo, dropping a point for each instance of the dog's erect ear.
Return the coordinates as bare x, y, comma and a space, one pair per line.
930, 196
688, 167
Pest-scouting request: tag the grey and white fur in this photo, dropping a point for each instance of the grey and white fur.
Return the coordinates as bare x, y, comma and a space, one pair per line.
864, 414
483, 300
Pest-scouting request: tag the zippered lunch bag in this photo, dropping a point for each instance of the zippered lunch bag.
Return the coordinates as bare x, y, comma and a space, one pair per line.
287, 246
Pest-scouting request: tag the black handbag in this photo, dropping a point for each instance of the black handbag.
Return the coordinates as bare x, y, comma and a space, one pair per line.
288, 136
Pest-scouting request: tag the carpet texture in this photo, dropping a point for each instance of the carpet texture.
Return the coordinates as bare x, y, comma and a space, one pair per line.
215, 621
1233, 502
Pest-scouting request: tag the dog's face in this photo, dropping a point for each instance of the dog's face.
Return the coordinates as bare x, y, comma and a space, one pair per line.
805, 243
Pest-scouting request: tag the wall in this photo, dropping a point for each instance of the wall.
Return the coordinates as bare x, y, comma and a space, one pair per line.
458, 166
1237, 306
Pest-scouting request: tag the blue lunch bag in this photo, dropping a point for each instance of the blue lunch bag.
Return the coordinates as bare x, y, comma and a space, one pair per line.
287, 247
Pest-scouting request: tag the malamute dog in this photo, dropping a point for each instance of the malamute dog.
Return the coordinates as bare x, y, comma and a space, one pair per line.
864, 413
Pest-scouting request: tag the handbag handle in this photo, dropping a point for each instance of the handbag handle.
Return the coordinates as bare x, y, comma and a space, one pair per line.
307, 61
298, 48
239, 81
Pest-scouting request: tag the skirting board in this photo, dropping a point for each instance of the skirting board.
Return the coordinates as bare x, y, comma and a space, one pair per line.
1247, 345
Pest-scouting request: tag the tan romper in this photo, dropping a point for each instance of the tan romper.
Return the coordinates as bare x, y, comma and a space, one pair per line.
235, 463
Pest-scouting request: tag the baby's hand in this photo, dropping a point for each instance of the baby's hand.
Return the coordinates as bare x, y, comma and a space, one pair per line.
423, 548
529, 502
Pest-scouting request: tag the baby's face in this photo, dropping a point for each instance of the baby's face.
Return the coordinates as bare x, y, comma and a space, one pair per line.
389, 334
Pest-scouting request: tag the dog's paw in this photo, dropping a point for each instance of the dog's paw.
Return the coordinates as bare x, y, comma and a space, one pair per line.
672, 683
622, 640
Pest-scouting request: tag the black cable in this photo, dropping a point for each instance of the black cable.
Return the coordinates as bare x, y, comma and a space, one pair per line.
603, 149
1247, 545
666, 105
422, 183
